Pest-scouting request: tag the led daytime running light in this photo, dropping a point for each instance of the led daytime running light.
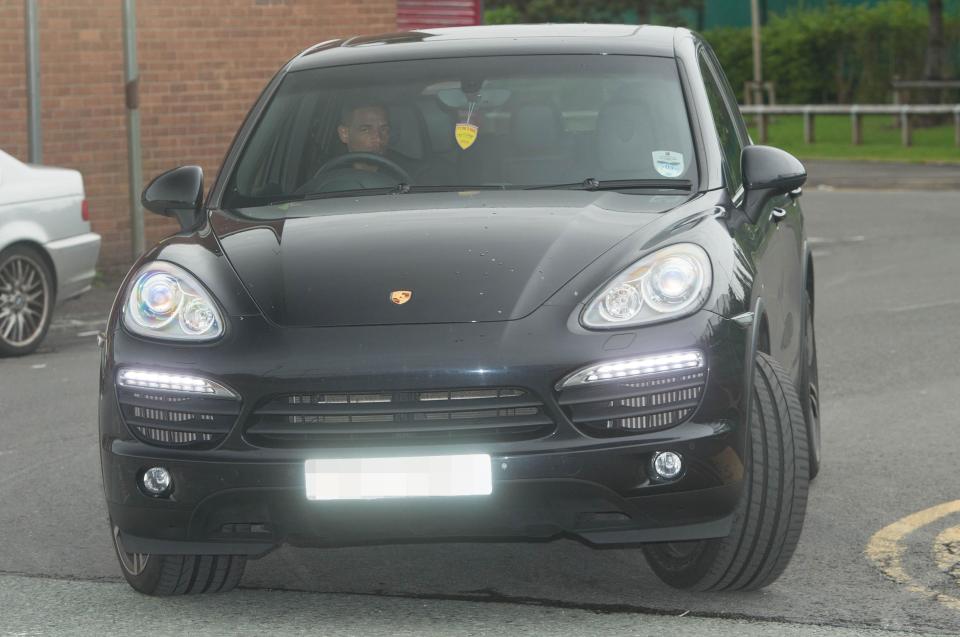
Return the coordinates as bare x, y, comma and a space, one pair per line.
616, 370
137, 378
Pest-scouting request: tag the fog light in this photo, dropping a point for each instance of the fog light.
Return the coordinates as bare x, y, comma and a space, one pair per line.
156, 481
667, 465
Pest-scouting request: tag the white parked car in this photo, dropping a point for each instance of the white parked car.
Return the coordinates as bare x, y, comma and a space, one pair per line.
47, 252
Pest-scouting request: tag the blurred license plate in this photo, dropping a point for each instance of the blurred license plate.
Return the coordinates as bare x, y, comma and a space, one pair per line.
417, 476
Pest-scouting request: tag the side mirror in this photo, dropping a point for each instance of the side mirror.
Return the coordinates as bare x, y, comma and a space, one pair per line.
177, 193
768, 172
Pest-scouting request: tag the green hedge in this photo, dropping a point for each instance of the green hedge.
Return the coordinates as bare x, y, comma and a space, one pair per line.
838, 54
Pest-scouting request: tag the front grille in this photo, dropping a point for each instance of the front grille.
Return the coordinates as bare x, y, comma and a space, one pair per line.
439, 416
175, 420
628, 407
247, 529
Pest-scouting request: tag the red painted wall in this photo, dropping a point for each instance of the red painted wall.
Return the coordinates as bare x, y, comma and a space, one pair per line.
424, 14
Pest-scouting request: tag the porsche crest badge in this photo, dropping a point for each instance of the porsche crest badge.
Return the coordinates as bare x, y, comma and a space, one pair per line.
400, 297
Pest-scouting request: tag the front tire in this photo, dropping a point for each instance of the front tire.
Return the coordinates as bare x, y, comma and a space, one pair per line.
769, 516
810, 383
166, 575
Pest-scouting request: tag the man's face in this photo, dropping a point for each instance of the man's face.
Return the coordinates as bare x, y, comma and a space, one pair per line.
367, 132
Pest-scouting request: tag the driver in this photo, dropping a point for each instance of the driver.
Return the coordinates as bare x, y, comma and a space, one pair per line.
364, 129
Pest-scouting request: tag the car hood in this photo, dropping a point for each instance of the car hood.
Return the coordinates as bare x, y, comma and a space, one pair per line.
463, 257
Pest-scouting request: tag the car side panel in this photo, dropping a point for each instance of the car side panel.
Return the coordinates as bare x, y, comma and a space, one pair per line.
773, 250
14, 228
75, 261
42, 206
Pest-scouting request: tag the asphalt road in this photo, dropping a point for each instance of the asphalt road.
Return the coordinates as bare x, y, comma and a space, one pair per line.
888, 298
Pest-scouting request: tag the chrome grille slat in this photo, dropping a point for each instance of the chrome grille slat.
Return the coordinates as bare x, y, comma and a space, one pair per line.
470, 394
277, 408
362, 429
603, 412
201, 404
338, 399
177, 438
187, 427
658, 420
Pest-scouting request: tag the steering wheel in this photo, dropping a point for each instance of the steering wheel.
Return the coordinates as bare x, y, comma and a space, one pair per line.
369, 158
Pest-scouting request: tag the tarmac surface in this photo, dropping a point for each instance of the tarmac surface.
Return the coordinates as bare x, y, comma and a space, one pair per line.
879, 554
881, 175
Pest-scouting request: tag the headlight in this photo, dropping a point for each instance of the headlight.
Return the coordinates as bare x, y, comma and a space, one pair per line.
167, 302
671, 282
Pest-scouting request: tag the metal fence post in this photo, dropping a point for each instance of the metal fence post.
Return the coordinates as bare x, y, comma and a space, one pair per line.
762, 128
34, 137
809, 132
856, 126
132, 92
896, 99
906, 136
956, 126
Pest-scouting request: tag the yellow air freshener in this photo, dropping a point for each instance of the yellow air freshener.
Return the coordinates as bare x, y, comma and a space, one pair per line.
466, 134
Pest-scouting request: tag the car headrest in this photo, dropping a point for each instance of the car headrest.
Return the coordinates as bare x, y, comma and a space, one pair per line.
625, 137
405, 131
536, 128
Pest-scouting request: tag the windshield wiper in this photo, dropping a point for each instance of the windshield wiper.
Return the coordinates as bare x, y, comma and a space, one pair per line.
462, 188
592, 183
399, 189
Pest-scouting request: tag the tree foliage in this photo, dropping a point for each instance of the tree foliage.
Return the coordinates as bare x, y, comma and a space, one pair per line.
629, 11
837, 54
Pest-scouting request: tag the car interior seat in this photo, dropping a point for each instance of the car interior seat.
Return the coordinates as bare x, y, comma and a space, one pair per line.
538, 150
630, 130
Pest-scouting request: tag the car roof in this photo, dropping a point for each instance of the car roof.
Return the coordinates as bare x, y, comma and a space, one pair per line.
514, 39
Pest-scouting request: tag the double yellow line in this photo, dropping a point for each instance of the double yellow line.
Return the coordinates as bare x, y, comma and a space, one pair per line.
886, 550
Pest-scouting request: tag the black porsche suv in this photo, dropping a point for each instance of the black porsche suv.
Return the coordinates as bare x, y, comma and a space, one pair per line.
492, 282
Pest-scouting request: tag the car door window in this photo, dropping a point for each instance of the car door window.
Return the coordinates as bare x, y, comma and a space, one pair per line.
727, 130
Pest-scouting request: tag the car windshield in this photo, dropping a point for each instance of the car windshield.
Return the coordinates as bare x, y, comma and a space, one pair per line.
503, 122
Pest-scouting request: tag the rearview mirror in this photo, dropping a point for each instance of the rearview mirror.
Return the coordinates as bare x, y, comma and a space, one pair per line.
768, 172
486, 99
177, 193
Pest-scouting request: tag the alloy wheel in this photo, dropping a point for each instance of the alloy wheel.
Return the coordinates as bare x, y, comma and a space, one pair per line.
813, 390
133, 563
24, 301
684, 550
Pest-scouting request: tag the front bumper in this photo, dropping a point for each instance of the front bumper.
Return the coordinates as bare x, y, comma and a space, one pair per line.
240, 497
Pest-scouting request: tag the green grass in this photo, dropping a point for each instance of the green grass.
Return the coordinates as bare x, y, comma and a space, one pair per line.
881, 140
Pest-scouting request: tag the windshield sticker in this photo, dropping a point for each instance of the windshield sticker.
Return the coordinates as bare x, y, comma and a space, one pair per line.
465, 132
668, 163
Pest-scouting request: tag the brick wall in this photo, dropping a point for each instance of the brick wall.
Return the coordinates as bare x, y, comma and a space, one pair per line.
202, 64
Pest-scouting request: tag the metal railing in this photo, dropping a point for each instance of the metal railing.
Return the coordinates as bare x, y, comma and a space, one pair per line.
856, 113
903, 88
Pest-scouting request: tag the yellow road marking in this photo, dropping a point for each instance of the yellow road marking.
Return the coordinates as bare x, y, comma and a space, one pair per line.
946, 549
886, 551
